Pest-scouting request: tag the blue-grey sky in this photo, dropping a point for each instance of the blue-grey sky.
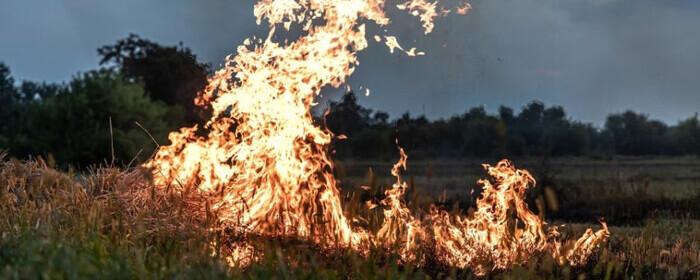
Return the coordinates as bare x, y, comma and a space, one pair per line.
593, 57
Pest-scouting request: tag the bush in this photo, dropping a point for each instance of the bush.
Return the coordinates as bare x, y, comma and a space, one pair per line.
71, 124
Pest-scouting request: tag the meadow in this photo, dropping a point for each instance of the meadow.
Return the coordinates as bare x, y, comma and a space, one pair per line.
109, 223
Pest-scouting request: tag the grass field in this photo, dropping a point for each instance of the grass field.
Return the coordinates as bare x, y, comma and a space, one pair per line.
55, 225
624, 192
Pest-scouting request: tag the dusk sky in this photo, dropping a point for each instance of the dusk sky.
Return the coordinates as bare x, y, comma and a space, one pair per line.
593, 57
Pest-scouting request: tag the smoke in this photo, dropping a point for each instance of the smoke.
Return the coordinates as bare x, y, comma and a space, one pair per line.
594, 57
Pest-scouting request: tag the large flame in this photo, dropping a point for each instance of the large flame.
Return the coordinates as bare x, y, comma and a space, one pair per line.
262, 162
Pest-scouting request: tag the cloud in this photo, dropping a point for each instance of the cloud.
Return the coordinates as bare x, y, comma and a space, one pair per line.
593, 57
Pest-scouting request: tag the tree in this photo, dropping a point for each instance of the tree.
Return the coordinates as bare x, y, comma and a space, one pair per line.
8, 105
635, 134
73, 125
72, 122
368, 135
347, 117
169, 74
31, 91
483, 135
7, 83
686, 136
28, 101
530, 127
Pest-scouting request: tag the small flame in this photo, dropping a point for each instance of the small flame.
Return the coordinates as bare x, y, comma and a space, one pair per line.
464, 8
400, 227
426, 11
500, 233
392, 43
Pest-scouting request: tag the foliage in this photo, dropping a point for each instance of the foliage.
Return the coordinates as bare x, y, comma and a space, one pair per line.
635, 134
537, 130
686, 136
170, 74
8, 103
83, 122
70, 122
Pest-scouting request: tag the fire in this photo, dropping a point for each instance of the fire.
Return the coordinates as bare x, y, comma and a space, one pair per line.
501, 232
262, 163
400, 227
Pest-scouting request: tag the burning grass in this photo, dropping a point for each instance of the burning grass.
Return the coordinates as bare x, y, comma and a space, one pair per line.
54, 224
253, 192
262, 167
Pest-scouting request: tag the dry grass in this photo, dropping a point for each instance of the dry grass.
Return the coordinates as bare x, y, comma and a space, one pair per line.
112, 223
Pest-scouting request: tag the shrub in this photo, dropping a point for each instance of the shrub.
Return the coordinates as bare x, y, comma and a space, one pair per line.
71, 123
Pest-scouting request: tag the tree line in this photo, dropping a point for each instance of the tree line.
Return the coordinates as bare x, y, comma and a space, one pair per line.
536, 130
143, 90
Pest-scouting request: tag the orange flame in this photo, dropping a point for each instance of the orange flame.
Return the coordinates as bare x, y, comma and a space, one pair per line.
263, 165
501, 232
400, 227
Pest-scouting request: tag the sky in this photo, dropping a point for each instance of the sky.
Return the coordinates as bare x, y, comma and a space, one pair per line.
593, 57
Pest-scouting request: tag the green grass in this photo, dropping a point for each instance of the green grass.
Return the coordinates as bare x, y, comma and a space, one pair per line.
111, 224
